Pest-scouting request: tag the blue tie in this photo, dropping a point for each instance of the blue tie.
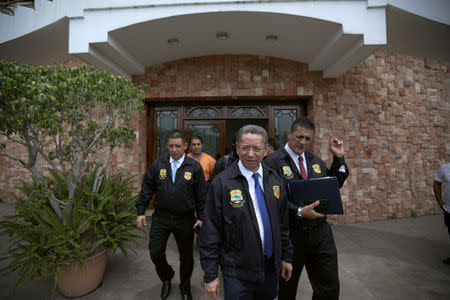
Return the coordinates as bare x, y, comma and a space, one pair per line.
265, 218
174, 169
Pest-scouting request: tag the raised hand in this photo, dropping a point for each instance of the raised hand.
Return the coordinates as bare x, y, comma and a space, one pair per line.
336, 146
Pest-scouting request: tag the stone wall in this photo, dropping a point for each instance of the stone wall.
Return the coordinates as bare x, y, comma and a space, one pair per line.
392, 111
230, 76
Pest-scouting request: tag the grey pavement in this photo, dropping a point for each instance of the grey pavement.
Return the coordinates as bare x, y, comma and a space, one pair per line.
392, 259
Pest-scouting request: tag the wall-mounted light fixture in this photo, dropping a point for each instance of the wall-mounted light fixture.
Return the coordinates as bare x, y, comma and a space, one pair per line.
271, 37
222, 35
173, 41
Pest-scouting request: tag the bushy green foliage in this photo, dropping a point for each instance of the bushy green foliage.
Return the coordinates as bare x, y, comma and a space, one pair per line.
70, 118
40, 244
46, 101
67, 117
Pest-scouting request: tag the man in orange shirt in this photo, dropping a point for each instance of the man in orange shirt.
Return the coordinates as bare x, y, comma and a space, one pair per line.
206, 161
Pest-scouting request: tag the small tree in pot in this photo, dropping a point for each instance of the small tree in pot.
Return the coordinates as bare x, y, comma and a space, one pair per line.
73, 119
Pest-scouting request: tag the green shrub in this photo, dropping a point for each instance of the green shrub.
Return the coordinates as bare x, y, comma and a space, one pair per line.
40, 244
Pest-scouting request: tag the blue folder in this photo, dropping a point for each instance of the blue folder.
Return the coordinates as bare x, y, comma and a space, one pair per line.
324, 189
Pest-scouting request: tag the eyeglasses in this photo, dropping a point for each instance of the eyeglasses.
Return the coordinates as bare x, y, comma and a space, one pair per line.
255, 149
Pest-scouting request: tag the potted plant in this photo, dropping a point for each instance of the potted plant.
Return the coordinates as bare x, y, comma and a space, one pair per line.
70, 120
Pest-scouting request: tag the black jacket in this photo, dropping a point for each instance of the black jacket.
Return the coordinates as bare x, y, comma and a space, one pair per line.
182, 197
283, 164
222, 164
229, 236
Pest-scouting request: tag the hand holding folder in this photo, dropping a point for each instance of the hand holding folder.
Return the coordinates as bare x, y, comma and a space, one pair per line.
324, 189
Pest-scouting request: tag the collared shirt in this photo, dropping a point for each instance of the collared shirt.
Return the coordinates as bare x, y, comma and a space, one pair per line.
180, 161
295, 157
251, 188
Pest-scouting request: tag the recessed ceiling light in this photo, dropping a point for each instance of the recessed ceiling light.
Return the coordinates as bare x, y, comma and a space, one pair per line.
271, 37
173, 41
222, 35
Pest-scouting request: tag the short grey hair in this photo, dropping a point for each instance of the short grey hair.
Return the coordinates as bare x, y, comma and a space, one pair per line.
252, 129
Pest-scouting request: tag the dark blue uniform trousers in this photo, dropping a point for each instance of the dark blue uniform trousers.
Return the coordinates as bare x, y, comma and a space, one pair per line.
181, 228
236, 289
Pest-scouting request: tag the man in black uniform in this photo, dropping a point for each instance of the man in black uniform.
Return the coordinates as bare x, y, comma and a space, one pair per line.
245, 226
310, 232
179, 184
226, 161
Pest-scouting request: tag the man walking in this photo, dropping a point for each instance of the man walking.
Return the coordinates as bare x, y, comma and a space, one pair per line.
206, 161
310, 233
180, 188
245, 228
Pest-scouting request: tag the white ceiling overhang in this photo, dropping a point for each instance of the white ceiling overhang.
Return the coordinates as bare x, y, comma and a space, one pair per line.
126, 37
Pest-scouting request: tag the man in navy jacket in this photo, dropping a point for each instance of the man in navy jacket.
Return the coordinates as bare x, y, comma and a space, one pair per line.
311, 234
179, 184
245, 225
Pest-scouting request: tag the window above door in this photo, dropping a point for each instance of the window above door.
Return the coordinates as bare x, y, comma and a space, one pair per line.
276, 118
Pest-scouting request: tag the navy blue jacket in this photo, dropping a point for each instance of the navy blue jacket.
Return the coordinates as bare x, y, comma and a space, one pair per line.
229, 236
283, 164
184, 196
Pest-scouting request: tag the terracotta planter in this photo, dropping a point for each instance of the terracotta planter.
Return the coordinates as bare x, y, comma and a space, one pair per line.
77, 281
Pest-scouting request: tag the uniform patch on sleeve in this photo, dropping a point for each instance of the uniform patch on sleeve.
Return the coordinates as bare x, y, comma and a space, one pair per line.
236, 199
287, 172
316, 168
187, 175
276, 191
162, 174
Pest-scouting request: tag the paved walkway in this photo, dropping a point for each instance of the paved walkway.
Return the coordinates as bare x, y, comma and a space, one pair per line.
394, 259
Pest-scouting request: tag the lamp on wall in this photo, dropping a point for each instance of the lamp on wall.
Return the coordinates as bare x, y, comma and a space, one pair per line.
271, 37
173, 41
223, 35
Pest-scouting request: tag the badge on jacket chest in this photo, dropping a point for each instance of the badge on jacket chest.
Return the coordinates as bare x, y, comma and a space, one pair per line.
287, 172
276, 191
236, 200
162, 174
316, 168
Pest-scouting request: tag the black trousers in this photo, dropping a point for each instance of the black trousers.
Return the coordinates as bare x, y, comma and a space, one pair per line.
315, 249
181, 228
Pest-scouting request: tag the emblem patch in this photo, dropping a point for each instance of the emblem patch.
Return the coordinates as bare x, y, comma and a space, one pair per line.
187, 175
316, 168
162, 174
276, 191
236, 199
287, 172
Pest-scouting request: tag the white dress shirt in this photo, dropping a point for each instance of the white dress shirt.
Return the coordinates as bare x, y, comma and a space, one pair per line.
251, 187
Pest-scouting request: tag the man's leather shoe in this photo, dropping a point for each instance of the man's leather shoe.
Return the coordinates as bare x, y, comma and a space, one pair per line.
165, 290
186, 296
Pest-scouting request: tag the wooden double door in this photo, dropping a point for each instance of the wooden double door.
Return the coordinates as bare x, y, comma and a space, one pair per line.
217, 124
